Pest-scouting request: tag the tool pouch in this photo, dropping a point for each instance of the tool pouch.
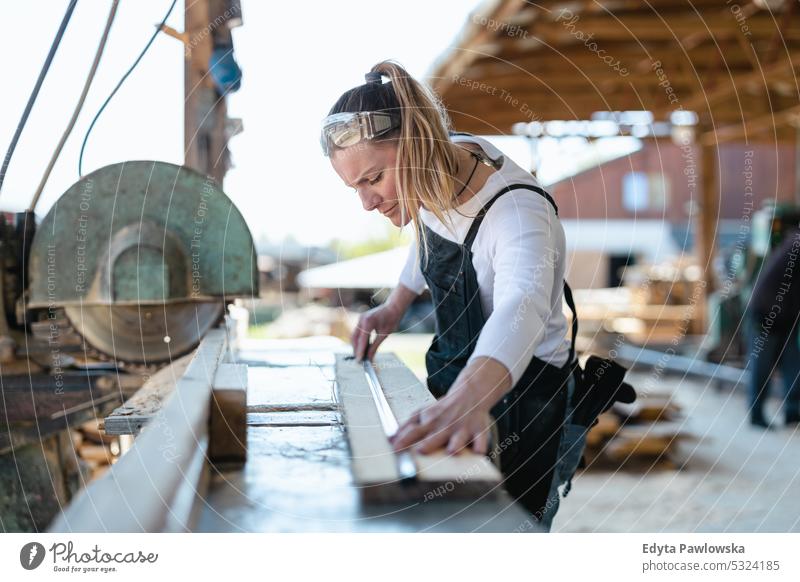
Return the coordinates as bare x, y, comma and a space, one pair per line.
592, 390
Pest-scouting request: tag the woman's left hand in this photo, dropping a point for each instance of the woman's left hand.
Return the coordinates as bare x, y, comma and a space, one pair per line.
461, 417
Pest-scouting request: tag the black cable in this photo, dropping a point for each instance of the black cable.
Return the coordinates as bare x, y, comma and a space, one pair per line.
35, 93
121, 81
78, 107
475, 167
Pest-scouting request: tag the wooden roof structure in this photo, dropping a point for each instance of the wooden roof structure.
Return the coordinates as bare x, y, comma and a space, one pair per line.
731, 62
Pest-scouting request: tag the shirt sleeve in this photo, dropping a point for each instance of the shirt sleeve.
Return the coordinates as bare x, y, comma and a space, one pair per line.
522, 240
411, 276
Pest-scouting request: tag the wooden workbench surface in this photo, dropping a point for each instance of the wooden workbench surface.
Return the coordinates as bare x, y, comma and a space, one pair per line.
298, 477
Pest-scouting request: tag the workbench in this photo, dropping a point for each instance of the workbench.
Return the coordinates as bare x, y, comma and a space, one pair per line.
297, 476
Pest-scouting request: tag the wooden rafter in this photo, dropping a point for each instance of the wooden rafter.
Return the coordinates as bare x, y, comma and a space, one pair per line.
479, 35
753, 127
541, 62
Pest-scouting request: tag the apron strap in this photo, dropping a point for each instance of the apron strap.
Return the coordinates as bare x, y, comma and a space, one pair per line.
473, 232
571, 304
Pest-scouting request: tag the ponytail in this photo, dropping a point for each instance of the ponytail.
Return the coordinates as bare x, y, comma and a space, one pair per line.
426, 162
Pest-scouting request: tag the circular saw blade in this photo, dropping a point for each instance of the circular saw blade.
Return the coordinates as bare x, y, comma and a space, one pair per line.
144, 334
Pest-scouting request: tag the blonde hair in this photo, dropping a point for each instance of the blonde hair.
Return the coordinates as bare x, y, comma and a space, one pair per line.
426, 160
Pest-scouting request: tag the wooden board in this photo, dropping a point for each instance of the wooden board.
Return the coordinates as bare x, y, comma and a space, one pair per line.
650, 407
651, 440
373, 460
295, 388
294, 418
147, 401
227, 440
155, 486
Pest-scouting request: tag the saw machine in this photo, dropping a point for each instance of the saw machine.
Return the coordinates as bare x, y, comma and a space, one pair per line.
135, 263
128, 271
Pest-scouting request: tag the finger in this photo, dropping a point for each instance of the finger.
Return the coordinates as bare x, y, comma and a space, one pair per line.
480, 442
355, 338
412, 421
435, 440
457, 442
409, 436
373, 347
363, 342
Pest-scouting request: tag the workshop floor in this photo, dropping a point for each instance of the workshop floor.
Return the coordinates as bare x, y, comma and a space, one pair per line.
735, 478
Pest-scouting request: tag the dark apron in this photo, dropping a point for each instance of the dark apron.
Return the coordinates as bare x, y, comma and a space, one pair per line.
530, 417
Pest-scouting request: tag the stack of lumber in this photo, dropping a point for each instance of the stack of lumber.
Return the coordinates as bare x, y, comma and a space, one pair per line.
640, 435
670, 283
656, 304
669, 298
96, 449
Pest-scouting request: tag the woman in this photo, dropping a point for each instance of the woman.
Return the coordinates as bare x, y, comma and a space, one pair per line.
491, 252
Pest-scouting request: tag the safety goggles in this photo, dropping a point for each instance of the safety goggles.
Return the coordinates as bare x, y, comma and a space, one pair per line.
347, 129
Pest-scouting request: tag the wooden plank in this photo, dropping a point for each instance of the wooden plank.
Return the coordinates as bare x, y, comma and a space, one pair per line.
294, 418
292, 407
94, 431
650, 407
372, 457
658, 430
278, 387
186, 505
228, 421
143, 491
406, 397
647, 441
147, 401
747, 129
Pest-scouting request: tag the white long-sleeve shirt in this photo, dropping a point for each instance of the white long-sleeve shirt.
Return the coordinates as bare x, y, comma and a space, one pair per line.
518, 256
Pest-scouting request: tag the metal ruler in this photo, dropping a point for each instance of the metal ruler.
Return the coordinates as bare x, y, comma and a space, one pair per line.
405, 463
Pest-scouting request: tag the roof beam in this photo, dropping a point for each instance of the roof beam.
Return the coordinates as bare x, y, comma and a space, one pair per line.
566, 28
770, 122
731, 85
483, 28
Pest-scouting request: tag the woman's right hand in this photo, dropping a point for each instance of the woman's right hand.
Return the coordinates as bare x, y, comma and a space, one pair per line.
384, 320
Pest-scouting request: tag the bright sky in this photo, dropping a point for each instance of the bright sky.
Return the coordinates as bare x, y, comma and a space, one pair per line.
296, 57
